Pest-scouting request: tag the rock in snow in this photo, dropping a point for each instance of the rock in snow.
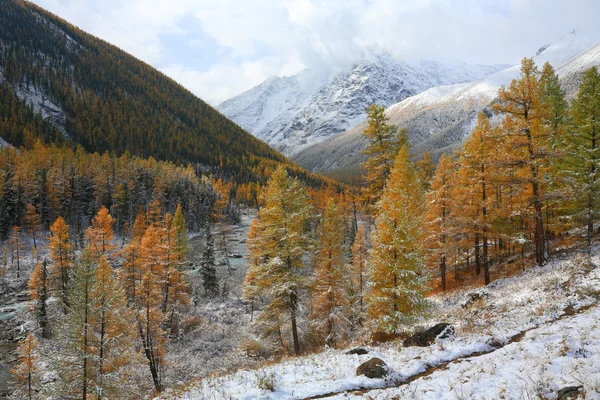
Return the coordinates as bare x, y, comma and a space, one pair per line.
423, 339
375, 368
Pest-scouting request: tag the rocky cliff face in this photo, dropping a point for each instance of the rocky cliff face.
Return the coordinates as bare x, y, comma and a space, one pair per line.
293, 113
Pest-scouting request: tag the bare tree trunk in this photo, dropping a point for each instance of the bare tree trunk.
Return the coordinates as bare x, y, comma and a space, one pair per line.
293, 309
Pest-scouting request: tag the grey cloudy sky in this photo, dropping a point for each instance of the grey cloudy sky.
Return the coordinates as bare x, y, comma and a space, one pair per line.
219, 48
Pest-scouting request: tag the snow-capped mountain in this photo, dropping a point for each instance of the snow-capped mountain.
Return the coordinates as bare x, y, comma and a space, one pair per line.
292, 113
438, 119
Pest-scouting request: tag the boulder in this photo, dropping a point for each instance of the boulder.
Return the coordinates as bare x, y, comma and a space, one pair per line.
570, 392
358, 351
424, 339
375, 368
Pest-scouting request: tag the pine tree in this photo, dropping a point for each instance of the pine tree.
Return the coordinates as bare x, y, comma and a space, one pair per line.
439, 215
18, 250
330, 311
38, 289
32, 223
359, 273
208, 269
396, 273
583, 153
384, 143
279, 246
26, 373
60, 250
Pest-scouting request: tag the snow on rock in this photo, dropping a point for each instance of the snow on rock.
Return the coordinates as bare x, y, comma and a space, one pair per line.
519, 337
291, 113
35, 98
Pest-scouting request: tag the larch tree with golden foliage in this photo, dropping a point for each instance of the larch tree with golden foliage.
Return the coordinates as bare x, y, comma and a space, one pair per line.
131, 273
526, 135
438, 222
38, 291
384, 143
60, 253
32, 223
397, 276
426, 168
477, 161
26, 374
279, 246
100, 234
331, 307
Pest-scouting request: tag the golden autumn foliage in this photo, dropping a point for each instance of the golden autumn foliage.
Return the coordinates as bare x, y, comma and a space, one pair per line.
26, 373
330, 304
100, 234
439, 219
396, 272
60, 254
278, 247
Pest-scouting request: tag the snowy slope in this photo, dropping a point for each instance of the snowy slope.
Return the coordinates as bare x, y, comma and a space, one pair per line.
522, 337
291, 113
438, 119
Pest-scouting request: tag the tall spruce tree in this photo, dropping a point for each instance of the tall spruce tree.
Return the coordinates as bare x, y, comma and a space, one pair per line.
208, 270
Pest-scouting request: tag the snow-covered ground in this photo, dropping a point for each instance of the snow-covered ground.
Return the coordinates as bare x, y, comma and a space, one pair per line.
522, 337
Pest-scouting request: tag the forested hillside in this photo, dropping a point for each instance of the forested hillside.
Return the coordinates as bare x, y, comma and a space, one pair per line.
80, 89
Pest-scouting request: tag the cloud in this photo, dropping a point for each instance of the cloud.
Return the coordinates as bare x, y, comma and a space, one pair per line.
246, 42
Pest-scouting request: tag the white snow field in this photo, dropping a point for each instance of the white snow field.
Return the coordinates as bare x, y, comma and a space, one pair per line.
523, 337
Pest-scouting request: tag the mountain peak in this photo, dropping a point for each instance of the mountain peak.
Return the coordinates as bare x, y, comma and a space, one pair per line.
307, 109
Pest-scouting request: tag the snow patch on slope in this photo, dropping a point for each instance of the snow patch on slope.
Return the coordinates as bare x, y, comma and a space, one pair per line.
556, 351
41, 104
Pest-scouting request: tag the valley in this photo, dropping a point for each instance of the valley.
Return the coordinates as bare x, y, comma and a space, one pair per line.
299, 200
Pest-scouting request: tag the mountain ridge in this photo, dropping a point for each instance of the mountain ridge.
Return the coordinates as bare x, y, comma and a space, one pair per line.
291, 116
440, 118
81, 90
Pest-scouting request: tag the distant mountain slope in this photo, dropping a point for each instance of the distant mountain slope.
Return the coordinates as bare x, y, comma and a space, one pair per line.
81, 89
440, 118
292, 113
